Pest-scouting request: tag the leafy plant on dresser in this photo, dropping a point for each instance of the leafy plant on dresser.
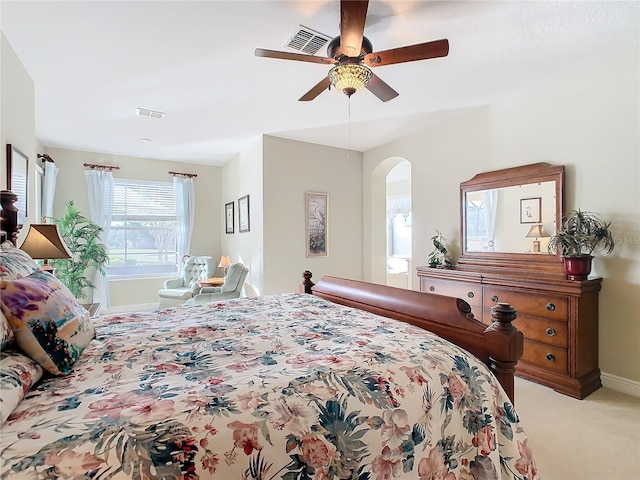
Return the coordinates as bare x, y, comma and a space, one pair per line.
439, 257
89, 255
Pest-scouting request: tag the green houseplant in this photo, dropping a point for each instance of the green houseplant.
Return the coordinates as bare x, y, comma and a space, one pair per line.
581, 235
82, 237
439, 257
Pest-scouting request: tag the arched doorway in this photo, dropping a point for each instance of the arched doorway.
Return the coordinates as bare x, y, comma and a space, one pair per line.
398, 225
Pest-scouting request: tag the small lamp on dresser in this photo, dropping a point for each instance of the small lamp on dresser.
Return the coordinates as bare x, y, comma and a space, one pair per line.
537, 231
43, 242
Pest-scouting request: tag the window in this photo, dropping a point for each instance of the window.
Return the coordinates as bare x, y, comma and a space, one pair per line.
142, 236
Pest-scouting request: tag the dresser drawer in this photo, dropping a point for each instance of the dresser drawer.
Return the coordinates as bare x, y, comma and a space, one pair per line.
472, 294
548, 357
543, 305
538, 329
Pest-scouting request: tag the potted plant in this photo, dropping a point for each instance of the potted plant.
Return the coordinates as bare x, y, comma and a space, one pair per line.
439, 257
82, 237
581, 235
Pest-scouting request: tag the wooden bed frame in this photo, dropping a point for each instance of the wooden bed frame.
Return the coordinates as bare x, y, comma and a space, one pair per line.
499, 345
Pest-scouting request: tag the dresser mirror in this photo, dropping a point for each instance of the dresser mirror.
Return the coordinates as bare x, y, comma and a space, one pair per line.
508, 215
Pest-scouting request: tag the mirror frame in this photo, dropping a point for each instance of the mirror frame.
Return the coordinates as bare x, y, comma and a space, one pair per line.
526, 174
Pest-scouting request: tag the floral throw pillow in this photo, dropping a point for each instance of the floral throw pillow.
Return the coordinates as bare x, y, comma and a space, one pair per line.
14, 263
17, 375
6, 334
49, 324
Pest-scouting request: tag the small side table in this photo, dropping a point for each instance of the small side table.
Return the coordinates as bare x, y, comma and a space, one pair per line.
211, 282
93, 308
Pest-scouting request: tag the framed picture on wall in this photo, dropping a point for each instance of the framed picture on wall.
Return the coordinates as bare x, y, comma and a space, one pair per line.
18, 179
317, 213
530, 210
243, 214
229, 216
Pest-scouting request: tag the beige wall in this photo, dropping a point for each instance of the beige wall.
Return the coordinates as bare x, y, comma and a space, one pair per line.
588, 121
291, 169
243, 176
71, 185
17, 115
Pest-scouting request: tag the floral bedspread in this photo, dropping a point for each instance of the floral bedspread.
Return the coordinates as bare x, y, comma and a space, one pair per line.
285, 386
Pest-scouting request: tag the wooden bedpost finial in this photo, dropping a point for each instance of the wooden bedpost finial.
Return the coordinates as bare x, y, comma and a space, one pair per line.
9, 220
306, 284
505, 354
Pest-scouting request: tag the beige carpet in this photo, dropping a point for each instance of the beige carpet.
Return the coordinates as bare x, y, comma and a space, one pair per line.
597, 438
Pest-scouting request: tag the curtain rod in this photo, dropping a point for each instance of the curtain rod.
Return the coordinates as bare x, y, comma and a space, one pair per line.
188, 175
45, 157
101, 167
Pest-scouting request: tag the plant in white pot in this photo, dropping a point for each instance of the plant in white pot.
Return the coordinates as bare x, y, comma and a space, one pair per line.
581, 235
439, 257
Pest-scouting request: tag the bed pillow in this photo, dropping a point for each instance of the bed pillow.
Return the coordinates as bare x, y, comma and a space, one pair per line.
49, 324
18, 374
6, 334
14, 263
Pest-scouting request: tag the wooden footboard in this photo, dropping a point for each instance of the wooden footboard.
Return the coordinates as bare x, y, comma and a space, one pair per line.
499, 345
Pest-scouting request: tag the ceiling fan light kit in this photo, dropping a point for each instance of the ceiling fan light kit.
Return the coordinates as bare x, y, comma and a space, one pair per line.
350, 77
351, 50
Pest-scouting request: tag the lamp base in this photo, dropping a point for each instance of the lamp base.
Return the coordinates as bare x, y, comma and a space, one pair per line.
536, 246
49, 269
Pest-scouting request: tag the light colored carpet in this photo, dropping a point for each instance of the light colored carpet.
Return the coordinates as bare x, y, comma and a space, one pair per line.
597, 438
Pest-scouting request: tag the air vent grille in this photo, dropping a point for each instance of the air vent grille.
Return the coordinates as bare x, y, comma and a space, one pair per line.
145, 112
307, 40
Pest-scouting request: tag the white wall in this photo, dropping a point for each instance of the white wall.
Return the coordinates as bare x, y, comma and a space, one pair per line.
71, 185
587, 121
291, 169
17, 116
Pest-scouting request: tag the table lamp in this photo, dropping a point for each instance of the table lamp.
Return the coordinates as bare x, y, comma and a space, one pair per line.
225, 263
537, 231
43, 242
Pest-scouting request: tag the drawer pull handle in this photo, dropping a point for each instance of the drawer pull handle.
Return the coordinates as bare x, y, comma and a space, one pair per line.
494, 298
551, 332
551, 307
470, 295
432, 288
551, 357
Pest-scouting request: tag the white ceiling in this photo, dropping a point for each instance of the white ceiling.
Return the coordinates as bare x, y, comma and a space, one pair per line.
93, 63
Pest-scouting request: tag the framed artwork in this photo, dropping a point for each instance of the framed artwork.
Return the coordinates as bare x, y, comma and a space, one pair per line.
317, 213
530, 210
229, 216
243, 214
18, 179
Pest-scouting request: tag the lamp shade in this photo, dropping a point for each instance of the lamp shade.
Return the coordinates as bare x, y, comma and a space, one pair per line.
537, 231
224, 262
43, 241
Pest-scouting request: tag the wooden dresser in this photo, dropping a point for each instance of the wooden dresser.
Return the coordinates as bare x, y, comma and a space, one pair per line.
559, 319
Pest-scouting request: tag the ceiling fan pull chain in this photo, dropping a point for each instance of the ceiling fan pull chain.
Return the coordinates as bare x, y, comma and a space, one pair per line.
349, 129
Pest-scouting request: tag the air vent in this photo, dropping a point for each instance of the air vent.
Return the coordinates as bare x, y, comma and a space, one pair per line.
307, 41
145, 112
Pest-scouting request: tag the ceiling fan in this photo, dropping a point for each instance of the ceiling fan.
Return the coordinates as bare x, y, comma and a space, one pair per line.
352, 55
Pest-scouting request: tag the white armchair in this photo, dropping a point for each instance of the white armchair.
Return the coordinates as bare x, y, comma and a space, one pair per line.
178, 290
231, 288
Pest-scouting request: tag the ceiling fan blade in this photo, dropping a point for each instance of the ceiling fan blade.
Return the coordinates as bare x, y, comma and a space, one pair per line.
353, 14
261, 52
410, 53
381, 89
315, 91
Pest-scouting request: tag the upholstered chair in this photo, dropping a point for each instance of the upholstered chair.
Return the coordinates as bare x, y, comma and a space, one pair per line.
178, 290
231, 288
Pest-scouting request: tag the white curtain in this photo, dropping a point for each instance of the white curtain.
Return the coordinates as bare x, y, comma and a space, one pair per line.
185, 212
49, 188
490, 201
100, 187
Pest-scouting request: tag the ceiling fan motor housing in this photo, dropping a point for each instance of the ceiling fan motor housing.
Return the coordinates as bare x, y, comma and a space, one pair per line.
333, 50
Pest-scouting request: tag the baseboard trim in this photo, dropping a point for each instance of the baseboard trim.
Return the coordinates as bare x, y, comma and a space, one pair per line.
131, 308
620, 384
